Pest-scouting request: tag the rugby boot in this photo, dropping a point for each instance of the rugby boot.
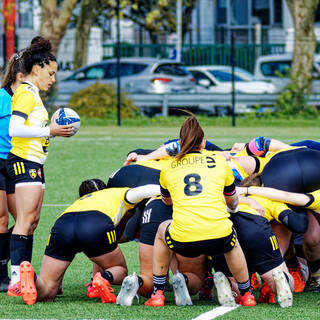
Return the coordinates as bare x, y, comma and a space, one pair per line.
28, 286
156, 300
299, 284
4, 284
314, 283
180, 290
224, 292
206, 291
284, 294
92, 292
266, 295
248, 300
129, 289
104, 288
14, 290
254, 282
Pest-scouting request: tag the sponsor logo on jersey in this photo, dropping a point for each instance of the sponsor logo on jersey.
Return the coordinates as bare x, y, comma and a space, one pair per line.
39, 173
33, 173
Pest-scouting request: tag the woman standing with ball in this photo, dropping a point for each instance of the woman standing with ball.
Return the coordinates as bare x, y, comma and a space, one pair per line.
30, 140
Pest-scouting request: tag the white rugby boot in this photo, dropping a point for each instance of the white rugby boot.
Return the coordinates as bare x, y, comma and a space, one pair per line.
129, 289
180, 290
224, 292
284, 294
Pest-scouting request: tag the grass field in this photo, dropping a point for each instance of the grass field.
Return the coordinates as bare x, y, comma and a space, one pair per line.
96, 152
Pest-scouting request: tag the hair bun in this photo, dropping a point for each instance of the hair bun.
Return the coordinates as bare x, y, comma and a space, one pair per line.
39, 43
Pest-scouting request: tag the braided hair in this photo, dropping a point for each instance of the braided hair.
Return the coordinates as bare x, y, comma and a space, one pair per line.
91, 185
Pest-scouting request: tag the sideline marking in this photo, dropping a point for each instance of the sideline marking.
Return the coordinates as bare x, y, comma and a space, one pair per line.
216, 312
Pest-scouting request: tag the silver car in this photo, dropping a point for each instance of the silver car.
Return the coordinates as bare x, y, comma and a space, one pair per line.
138, 75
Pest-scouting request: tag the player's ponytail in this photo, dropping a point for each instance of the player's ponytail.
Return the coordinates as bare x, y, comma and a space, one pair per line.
91, 185
191, 137
14, 66
38, 53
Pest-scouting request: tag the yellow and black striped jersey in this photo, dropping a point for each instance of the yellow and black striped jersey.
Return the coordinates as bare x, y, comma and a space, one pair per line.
272, 208
196, 185
26, 102
109, 201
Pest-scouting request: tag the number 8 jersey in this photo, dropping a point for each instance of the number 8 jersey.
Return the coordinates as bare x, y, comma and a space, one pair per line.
196, 184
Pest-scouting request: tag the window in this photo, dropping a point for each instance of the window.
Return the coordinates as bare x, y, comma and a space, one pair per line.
25, 11
201, 76
261, 10
95, 73
222, 11
273, 68
277, 5
239, 12
224, 76
172, 69
129, 69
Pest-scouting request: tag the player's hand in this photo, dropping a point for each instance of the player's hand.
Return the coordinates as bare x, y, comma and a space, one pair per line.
238, 147
257, 206
226, 154
132, 157
63, 131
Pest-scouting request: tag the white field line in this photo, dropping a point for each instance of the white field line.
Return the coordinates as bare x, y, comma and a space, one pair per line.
216, 312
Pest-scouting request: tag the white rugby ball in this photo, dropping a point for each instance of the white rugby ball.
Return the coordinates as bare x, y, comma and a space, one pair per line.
68, 116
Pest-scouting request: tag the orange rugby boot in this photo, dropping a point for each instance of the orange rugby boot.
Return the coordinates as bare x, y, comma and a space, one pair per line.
266, 295
104, 289
92, 292
254, 281
14, 290
299, 284
248, 300
28, 287
156, 300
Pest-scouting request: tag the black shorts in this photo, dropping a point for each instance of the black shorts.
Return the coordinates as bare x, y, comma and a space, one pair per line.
133, 176
193, 249
6, 183
294, 170
25, 172
90, 232
259, 244
154, 213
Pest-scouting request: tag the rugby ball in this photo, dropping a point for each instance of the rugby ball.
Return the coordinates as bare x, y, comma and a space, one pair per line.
68, 116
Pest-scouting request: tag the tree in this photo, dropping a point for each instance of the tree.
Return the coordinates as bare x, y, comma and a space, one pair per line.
55, 19
88, 13
303, 14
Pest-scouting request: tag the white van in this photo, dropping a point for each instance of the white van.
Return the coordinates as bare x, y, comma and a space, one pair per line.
268, 67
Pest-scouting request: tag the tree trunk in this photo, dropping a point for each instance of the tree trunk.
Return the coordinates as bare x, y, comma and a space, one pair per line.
87, 15
303, 14
54, 21
186, 21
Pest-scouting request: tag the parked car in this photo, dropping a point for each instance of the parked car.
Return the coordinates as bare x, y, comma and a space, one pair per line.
218, 79
138, 75
270, 67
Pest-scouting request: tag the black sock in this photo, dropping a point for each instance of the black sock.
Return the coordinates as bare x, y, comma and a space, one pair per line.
158, 283
140, 281
108, 276
314, 265
18, 249
292, 262
244, 287
4, 253
29, 248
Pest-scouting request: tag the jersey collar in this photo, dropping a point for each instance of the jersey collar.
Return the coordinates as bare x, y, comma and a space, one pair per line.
8, 89
31, 84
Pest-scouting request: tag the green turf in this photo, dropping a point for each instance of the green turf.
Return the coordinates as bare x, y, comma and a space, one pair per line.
96, 152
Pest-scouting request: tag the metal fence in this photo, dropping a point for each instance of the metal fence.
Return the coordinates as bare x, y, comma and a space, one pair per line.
204, 54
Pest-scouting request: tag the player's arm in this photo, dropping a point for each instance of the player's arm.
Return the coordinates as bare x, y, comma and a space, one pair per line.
296, 199
252, 203
136, 195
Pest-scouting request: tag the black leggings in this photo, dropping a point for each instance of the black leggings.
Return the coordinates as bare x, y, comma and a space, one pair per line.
296, 170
